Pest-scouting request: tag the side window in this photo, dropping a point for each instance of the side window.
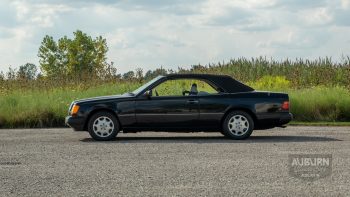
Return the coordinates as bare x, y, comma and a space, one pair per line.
183, 87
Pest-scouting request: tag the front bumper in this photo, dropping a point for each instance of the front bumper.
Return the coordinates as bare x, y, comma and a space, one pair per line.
77, 123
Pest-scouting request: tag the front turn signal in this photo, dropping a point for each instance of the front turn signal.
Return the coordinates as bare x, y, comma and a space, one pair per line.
75, 109
285, 105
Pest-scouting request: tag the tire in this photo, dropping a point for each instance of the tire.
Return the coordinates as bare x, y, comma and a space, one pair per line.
238, 125
103, 126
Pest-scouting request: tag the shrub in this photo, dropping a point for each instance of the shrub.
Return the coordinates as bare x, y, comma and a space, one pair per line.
271, 83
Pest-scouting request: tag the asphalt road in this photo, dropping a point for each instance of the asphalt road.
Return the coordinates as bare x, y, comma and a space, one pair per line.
59, 162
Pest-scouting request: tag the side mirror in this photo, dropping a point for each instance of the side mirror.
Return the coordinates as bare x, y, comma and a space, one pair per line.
148, 94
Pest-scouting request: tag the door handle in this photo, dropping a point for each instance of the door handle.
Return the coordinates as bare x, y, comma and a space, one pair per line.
192, 101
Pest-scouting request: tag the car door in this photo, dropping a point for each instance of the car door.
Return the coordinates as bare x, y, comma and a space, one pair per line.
167, 111
212, 110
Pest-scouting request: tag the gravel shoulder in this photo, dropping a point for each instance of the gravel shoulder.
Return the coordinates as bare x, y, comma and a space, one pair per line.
60, 162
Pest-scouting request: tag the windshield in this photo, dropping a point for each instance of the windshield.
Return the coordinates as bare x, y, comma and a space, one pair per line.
140, 89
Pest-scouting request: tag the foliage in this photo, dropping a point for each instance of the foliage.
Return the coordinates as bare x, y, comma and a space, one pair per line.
176, 87
27, 72
321, 104
11, 74
139, 74
77, 68
150, 74
2, 76
73, 57
271, 83
300, 72
129, 75
47, 106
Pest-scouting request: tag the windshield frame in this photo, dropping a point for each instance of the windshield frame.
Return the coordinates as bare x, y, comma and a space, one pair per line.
146, 86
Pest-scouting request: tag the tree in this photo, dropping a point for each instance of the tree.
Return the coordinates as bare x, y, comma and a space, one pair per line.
110, 72
139, 74
129, 75
27, 71
49, 58
2, 76
76, 57
151, 74
11, 74
148, 75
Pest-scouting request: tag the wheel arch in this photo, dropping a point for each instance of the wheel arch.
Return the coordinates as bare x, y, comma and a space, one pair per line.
245, 109
94, 111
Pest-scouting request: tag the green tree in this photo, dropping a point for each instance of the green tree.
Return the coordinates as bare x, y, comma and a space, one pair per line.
139, 74
49, 58
110, 72
11, 74
2, 76
27, 71
151, 74
129, 75
77, 57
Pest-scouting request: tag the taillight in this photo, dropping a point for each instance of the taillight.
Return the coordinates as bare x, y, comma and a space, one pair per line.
285, 105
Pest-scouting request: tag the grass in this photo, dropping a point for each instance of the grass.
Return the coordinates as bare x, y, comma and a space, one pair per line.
47, 108
298, 123
301, 73
318, 90
320, 103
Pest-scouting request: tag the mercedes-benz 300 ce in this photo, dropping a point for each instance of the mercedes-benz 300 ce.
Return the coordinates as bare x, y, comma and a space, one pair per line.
182, 103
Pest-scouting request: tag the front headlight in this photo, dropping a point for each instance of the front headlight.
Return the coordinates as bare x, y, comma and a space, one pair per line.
74, 110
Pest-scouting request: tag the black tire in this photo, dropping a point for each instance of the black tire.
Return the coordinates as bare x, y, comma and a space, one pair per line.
102, 131
244, 122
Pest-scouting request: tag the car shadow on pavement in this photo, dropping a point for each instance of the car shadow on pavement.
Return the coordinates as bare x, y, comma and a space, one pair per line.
214, 139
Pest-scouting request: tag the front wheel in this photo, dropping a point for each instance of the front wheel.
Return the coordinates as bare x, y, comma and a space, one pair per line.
103, 126
238, 125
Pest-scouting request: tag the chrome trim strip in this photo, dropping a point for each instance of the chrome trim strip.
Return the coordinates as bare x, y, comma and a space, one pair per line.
213, 113
162, 114
126, 114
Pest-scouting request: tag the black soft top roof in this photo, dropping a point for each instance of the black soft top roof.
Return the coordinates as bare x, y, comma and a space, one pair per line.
224, 82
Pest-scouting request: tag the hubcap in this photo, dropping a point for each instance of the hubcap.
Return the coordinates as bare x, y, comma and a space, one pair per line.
238, 125
103, 126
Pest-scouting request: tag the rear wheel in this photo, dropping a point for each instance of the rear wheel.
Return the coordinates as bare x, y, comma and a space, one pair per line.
238, 125
103, 126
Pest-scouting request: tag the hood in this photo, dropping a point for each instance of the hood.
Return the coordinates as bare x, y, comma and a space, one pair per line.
100, 98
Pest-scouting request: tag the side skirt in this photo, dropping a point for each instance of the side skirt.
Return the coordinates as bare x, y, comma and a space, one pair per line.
180, 130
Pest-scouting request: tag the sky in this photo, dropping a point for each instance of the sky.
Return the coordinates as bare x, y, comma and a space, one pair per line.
178, 33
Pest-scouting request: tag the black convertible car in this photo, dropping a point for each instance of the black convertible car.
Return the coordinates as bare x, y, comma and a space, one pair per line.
185, 103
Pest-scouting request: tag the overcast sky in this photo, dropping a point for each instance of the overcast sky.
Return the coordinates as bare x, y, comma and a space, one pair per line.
173, 33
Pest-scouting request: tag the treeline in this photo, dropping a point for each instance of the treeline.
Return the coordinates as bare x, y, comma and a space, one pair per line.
300, 72
25, 72
82, 59
77, 58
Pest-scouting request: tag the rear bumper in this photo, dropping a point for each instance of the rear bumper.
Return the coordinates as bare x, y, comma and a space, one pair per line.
77, 123
285, 118
270, 120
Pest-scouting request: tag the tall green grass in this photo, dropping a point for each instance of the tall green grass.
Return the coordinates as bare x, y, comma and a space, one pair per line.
300, 72
319, 90
48, 107
320, 104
